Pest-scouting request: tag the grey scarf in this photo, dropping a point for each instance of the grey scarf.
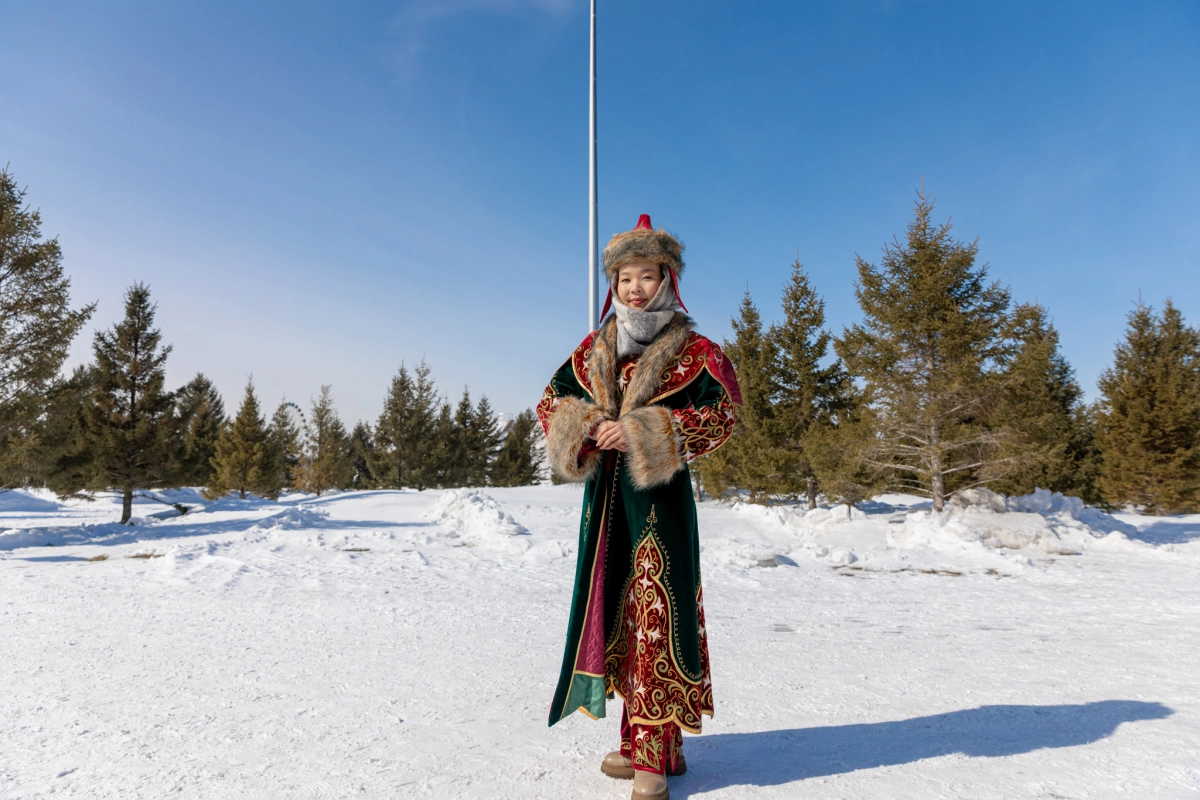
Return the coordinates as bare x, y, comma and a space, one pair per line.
637, 327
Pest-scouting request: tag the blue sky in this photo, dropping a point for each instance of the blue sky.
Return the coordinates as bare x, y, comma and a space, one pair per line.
316, 192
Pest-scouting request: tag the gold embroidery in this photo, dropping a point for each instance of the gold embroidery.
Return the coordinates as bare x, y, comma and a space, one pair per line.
641, 661
705, 429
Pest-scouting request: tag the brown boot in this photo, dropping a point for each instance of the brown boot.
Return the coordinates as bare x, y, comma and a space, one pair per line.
650, 786
616, 765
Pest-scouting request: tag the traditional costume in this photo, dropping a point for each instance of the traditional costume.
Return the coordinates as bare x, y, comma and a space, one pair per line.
636, 627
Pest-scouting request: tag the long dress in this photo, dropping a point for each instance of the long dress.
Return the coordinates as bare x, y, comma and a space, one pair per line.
636, 626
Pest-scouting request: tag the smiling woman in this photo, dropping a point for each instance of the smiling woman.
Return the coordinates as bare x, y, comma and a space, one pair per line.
636, 401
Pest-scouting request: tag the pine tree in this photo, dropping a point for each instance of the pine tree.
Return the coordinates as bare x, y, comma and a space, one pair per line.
362, 457
130, 439
36, 328
241, 462
809, 394
1148, 415
442, 466
284, 449
842, 453
750, 459
459, 449
1048, 439
200, 413
520, 460
392, 432
422, 464
929, 350
325, 464
59, 454
484, 443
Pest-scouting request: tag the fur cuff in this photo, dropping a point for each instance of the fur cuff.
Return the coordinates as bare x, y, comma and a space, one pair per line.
570, 427
654, 446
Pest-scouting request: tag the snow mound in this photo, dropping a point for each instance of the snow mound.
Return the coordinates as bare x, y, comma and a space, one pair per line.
293, 519
22, 502
834, 515
16, 538
476, 517
1045, 521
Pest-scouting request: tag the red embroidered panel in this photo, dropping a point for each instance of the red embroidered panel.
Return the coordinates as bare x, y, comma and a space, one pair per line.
545, 408
704, 429
656, 748
640, 663
579, 361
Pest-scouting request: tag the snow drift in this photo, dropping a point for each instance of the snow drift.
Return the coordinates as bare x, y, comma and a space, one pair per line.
478, 520
1045, 521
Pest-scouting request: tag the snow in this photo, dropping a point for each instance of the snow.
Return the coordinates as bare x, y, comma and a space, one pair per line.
406, 644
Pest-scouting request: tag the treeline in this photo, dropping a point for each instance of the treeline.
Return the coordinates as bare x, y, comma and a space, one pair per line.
947, 384
112, 425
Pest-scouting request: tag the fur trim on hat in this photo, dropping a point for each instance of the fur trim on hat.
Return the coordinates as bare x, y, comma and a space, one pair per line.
655, 447
656, 246
570, 428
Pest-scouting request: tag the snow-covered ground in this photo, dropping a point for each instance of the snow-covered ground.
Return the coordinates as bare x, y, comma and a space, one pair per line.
402, 644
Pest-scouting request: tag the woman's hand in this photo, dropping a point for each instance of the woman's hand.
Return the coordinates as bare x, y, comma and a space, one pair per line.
610, 435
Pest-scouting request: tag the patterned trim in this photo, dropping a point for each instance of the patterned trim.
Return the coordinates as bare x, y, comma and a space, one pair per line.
697, 355
579, 360
595, 584
665, 740
642, 664
705, 429
545, 408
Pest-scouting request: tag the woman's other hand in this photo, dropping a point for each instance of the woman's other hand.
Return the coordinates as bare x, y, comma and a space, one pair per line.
610, 435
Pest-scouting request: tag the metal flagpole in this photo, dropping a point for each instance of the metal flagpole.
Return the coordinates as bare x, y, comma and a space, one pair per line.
593, 220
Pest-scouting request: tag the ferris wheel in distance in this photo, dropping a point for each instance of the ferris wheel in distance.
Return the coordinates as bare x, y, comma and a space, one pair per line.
296, 419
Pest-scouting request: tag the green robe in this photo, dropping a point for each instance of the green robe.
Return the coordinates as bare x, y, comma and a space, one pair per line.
636, 625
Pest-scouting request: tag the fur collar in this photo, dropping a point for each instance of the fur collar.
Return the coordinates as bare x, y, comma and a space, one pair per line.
602, 365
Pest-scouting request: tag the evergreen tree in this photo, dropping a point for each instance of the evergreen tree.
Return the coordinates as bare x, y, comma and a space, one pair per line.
1148, 415
520, 460
750, 459
929, 350
442, 466
36, 328
325, 464
459, 449
362, 457
284, 449
809, 394
200, 412
392, 442
58, 454
422, 465
842, 454
484, 443
129, 438
241, 462
1047, 440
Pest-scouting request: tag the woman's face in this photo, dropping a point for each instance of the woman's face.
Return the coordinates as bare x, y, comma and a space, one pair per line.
638, 282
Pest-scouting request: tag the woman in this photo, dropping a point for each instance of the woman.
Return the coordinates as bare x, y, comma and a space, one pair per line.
637, 400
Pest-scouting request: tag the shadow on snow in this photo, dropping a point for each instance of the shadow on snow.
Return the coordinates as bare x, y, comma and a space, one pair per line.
187, 525
1170, 531
771, 758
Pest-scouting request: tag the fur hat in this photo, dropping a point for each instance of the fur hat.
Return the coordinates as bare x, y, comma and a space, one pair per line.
643, 242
